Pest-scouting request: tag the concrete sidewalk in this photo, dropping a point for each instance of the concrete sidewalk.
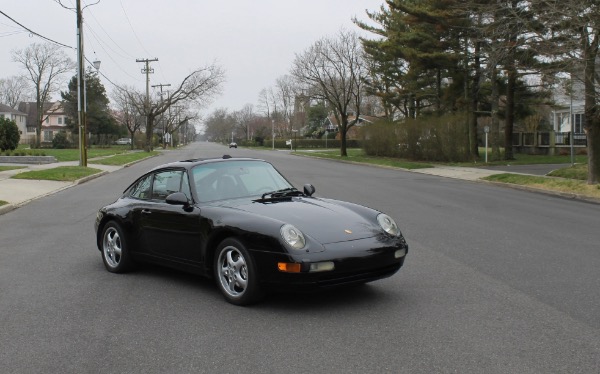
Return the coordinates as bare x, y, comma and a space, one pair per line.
456, 172
18, 192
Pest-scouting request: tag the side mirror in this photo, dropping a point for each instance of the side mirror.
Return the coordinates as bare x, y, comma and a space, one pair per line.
178, 198
309, 189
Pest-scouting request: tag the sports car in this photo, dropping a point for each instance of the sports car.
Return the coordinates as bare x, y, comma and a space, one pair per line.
241, 222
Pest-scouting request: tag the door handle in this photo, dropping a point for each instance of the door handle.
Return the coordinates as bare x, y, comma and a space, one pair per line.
146, 211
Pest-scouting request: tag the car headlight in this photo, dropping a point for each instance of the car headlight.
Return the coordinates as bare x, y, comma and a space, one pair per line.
388, 224
293, 236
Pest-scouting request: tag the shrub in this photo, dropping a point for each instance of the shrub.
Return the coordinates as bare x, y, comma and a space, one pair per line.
432, 138
9, 134
60, 141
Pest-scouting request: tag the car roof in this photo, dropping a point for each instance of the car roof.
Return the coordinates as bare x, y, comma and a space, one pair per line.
187, 164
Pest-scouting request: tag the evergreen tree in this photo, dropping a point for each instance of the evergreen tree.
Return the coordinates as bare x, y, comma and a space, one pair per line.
99, 118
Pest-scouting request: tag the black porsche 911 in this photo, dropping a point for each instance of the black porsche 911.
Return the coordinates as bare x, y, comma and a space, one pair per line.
240, 221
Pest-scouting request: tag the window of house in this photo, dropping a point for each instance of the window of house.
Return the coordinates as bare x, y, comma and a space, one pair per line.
578, 123
60, 120
48, 135
47, 119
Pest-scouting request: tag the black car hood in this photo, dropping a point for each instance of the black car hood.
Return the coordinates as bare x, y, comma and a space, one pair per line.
325, 221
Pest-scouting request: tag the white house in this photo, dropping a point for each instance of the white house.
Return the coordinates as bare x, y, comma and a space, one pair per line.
20, 119
569, 102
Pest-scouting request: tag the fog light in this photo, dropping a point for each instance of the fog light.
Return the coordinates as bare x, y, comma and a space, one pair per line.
321, 266
287, 267
400, 253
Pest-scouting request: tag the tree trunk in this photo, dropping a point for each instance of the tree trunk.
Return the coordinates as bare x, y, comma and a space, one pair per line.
148, 147
343, 133
510, 113
495, 130
474, 145
592, 122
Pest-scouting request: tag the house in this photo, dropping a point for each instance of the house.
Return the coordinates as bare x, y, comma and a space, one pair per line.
53, 119
569, 101
20, 119
331, 124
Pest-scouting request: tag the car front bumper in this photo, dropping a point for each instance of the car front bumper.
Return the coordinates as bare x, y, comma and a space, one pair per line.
357, 261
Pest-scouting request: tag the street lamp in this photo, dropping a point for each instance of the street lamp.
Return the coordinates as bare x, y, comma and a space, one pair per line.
97, 65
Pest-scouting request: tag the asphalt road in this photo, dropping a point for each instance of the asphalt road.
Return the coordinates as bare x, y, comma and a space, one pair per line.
497, 280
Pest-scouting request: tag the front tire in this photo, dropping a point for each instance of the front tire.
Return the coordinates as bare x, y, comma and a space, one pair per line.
235, 273
115, 252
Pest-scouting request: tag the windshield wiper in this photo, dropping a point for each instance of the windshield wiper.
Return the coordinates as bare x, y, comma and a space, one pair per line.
291, 191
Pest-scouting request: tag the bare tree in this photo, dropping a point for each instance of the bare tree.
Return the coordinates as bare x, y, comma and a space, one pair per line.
243, 120
177, 119
267, 103
285, 94
218, 125
45, 64
14, 90
335, 67
198, 88
126, 112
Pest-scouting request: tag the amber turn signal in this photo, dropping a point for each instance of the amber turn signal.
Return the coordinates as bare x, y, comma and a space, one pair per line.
288, 267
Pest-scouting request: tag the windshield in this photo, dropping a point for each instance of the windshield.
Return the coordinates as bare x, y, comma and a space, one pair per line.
233, 179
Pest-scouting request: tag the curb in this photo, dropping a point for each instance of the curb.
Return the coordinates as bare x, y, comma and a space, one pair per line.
564, 195
7, 208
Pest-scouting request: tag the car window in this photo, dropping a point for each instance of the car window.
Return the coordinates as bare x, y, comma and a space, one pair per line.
232, 179
141, 190
166, 183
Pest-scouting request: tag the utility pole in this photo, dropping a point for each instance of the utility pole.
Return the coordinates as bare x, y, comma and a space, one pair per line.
81, 89
160, 85
147, 70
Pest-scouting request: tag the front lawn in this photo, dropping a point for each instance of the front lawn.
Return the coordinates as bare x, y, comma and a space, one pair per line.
71, 154
2, 202
358, 155
124, 159
548, 183
61, 173
5, 168
578, 171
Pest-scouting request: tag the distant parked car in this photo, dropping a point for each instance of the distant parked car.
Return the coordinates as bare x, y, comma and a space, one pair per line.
123, 141
233, 145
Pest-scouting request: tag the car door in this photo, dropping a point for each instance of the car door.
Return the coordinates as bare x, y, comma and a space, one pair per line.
170, 231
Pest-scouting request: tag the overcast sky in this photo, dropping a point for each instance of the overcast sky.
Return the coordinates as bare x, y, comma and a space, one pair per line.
254, 41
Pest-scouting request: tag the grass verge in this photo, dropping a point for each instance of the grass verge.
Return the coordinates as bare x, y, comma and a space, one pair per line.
124, 159
2, 202
61, 173
5, 168
72, 154
358, 155
579, 172
548, 183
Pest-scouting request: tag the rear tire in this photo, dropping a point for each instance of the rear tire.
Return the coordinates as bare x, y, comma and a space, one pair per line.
115, 251
235, 273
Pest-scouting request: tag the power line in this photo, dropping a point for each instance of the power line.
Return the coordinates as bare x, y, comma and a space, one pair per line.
33, 32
